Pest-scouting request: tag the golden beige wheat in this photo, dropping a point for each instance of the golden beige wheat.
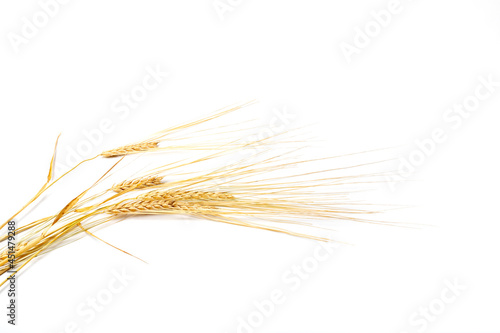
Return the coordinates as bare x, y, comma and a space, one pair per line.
130, 149
153, 206
138, 183
186, 195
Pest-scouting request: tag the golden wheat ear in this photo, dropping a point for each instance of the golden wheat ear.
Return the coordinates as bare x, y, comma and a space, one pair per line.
148, 145
137, 183
153, 143
130, 149
186, 195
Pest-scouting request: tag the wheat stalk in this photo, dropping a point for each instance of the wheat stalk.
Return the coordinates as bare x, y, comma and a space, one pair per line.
244, 193
20, 249
150, 144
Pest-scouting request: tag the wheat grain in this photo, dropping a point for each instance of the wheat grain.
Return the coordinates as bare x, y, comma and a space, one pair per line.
130, 149
186, 195
138, 183
152, 206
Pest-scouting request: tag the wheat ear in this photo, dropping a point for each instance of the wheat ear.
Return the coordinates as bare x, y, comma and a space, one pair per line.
130, 149
138, 183
157, 206
186, 195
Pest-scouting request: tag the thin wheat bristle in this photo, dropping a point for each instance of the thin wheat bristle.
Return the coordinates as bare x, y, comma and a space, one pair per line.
145, 206
130, 149
138, 183
186, 195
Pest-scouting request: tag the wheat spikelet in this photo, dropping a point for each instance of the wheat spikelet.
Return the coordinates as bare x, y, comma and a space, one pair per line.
186, 195
157, 206
130, 149
138, 183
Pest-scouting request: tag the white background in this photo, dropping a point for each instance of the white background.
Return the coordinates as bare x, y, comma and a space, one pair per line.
203, 276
